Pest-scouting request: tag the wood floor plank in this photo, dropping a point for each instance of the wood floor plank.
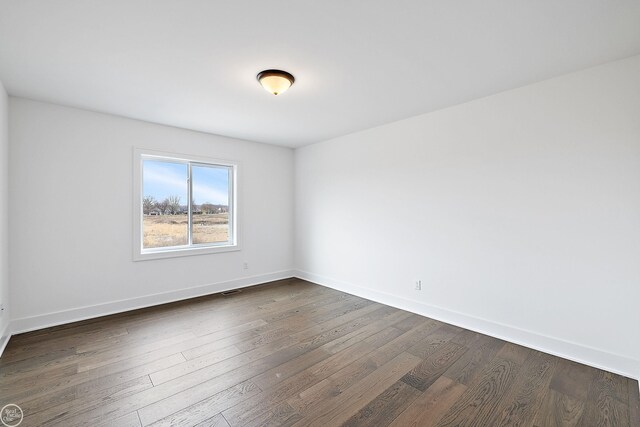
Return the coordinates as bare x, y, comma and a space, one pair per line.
192, 365
361, 316
478, 404
222, 312
634, 402
298, 323
338, 409
280, 415
521, 405
207, 347
41, 361
558, 410
387, 320
264, 337
430, 406
426, 373
215, 421
315, 310
344, 378
20, 384
87, 363
404, 342
64, 361
570, 379
179, 322
197, 412
294, 353
424, 348
270, 378
102, 386
130, 420
257, 405
194, 386
46, 389
16, 351
385, 407
64, 335
480, 352
412, 321
90, 401
605, 405
329, 313
290, 368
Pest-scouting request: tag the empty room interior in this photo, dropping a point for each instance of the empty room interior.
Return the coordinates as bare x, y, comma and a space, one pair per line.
338, 213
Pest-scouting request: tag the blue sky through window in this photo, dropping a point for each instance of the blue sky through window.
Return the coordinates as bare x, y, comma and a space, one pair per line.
210, 185
162, 179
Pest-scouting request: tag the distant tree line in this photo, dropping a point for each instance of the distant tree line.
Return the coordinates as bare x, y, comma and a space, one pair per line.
168, 206
171, 206
210, 208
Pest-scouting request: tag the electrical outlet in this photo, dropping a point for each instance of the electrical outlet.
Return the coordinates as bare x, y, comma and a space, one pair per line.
245, 265
418, 285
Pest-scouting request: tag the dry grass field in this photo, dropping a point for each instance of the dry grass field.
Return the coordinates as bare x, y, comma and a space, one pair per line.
171, 230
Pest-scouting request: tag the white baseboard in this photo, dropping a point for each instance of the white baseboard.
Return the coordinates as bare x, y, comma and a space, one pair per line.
5, 335
33, 323
596, 358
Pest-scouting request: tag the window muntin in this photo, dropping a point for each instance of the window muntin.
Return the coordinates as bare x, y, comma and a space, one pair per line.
186, 206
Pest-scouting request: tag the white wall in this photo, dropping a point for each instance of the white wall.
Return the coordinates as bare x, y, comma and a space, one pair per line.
520, 213
71, 215
4, 216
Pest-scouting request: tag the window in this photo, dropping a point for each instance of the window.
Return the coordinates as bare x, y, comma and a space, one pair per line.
183, 205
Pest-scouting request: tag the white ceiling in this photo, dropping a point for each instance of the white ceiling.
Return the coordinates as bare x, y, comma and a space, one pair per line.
357, 63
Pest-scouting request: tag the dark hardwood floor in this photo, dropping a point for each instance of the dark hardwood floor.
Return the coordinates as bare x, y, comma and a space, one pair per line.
294, 353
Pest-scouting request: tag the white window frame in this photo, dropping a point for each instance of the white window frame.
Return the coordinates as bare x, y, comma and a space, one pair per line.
142, 254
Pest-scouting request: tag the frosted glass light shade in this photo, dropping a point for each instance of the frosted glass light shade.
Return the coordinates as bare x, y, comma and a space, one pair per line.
275, 81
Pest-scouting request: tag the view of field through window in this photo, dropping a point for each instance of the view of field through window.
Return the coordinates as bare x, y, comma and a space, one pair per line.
165, 203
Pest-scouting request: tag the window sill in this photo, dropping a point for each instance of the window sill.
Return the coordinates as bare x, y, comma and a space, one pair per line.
181, 252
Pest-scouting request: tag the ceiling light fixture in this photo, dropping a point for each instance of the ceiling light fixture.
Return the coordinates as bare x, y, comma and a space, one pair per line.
275, 81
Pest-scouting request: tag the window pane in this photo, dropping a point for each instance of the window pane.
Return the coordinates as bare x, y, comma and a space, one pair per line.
164, 204
210, 209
